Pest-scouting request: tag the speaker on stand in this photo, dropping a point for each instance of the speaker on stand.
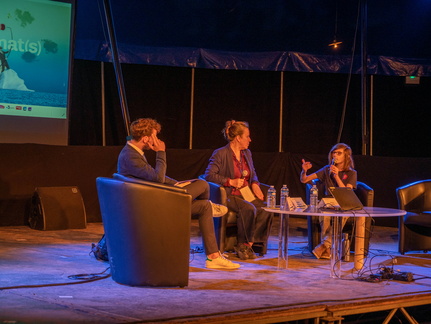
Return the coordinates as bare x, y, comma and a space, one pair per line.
57, 208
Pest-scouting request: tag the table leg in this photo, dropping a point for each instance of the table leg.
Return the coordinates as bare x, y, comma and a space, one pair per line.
336, 247
359, 243
283, 240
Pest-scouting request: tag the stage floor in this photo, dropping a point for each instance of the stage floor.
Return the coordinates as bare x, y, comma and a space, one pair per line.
37, 264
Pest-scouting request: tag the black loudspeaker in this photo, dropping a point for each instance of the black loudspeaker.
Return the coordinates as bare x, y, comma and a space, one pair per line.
57, 208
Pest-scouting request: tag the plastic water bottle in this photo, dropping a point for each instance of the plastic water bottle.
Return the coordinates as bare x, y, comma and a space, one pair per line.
345, 247
284, 193
314, 193
271, 197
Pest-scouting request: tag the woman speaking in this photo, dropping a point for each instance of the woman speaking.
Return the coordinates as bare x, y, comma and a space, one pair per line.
232, 167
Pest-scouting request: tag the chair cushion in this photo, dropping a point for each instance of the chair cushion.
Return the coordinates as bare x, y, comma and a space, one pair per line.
420, 218
231, 217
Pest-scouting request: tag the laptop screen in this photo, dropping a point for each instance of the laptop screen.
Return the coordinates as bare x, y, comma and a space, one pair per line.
346, 198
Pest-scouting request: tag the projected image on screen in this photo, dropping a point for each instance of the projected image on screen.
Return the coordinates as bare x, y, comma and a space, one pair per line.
34, 58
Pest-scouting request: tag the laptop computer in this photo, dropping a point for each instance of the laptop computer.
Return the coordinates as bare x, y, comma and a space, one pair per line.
346, 198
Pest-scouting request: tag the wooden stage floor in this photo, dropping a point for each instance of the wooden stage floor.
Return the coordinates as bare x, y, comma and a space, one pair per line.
35, 286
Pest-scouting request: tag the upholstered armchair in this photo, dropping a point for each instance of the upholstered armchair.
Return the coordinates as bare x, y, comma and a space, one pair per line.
365, 195
147, 228
415, 226
226, 226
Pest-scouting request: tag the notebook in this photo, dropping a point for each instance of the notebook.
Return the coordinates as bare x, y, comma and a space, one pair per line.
346, 198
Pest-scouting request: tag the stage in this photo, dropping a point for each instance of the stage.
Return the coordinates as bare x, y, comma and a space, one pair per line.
35, 287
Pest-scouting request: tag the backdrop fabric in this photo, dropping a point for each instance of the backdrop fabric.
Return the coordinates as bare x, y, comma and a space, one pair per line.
273, 35
28, 166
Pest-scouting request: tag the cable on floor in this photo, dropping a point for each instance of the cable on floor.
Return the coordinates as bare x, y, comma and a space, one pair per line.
84, 278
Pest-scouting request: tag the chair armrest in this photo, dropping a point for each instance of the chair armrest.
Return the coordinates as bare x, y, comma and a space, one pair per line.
264, 187
217, 194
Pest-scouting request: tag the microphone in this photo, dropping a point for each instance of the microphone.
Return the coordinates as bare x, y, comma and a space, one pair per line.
244, 173
332, 174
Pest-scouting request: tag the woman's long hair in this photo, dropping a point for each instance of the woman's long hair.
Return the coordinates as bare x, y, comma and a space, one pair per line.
349, 164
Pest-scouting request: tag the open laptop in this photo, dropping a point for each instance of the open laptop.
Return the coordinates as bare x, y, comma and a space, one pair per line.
346, 198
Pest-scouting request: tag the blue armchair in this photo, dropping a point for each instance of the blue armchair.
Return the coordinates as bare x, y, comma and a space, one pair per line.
147, 228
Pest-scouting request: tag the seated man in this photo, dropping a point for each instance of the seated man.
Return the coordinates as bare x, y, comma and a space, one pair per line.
132, 163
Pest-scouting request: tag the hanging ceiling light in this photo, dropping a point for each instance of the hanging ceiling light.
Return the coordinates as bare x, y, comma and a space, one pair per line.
335, 43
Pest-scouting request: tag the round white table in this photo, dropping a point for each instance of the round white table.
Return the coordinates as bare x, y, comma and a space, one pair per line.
336, 232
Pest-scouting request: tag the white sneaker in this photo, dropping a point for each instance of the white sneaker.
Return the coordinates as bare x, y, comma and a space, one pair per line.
218, 210
221, 263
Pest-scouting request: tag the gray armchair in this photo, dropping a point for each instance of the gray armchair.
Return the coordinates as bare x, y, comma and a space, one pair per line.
415, 226
147, 228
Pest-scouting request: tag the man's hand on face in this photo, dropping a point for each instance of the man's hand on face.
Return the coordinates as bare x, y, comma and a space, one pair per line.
156, 144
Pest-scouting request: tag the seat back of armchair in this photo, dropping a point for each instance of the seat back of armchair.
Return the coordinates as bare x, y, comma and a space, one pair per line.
365, 194
149, 183
415, 226
363, 191
147, 228
415, 196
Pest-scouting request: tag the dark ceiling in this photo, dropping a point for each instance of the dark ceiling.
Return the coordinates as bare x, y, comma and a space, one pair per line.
399, 28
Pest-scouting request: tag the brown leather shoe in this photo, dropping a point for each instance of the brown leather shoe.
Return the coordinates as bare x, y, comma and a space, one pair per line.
250, 253
326, 254
318, 250
241, 251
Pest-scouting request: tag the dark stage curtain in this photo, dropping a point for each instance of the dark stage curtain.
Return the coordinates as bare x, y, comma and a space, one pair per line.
28, 166
312, 108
